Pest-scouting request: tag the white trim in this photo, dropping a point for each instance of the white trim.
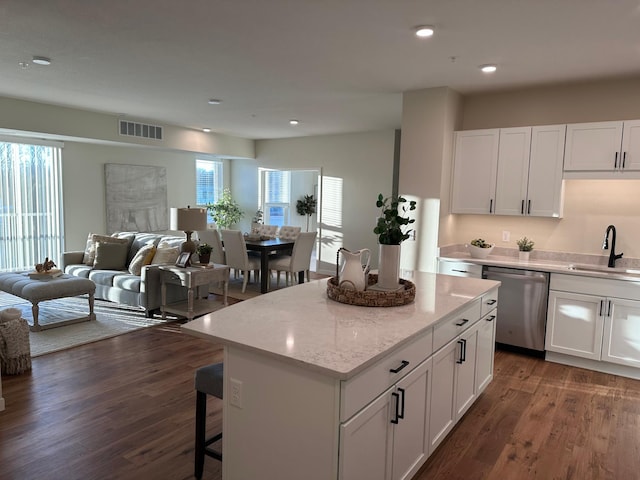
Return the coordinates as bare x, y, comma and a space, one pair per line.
598, 366
30, 141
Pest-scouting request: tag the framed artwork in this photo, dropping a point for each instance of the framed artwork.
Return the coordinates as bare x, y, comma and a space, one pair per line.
184, 260
136, 198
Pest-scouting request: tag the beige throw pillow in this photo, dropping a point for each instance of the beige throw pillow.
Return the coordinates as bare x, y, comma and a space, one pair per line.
93, 239
165, 254
143, 257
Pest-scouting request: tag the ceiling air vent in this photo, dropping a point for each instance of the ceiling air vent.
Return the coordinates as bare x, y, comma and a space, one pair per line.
142, 130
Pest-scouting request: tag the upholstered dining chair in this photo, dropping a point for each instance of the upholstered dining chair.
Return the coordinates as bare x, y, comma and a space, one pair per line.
267, 230
298, 261
236, 256
287, 232
212, 237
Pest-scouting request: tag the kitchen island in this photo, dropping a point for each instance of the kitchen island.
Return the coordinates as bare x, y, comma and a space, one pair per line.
317, 389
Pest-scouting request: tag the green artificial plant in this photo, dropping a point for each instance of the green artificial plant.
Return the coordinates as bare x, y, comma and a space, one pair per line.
306, 206
525, 244
226, 211
391, 221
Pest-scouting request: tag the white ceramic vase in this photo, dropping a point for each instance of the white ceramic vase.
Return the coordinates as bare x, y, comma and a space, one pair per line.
389, 267
523, 256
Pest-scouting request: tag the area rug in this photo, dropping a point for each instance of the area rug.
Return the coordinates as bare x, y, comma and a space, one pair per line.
111, 320
252, 290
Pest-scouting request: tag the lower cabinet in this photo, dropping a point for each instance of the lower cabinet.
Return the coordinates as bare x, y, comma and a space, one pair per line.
388, 438
597, 327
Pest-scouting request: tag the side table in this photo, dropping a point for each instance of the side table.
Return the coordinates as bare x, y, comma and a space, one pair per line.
192, 278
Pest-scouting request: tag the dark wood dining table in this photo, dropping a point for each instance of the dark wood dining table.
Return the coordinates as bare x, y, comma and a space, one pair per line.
265, 247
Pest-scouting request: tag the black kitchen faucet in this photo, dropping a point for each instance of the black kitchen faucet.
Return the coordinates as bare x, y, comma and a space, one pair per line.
605, 246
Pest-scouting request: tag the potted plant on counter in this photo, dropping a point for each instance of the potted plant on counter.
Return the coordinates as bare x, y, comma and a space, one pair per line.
525, 245
391, 231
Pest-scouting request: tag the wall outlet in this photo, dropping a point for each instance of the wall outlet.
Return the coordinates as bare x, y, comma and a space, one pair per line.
236, 392
506, 236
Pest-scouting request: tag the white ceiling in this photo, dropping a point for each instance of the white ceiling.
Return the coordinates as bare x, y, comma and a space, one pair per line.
335, 65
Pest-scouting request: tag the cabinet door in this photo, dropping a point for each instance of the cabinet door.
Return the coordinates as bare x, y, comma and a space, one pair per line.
513, 170
474, 171
622, 332
545, 187
411, 433
460, 269
466, 370
486, 351
593, 146
575, 324
442, 416
366, 442
631, 145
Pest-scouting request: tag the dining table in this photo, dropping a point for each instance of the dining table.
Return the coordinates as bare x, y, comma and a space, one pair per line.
266, 247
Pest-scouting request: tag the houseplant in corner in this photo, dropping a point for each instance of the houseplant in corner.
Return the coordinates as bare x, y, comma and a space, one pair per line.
525, 245
391, 231
306, 206
226, 211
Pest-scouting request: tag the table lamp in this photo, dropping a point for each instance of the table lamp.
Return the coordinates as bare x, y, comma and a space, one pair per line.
188, 220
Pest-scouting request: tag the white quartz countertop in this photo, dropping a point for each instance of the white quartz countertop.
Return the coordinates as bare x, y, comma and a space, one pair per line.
551, 266
301, 325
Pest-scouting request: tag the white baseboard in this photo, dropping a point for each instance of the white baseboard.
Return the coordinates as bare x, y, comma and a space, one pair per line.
598, 366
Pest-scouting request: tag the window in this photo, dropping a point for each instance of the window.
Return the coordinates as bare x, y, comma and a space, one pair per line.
209, 183
31, 222
277, 187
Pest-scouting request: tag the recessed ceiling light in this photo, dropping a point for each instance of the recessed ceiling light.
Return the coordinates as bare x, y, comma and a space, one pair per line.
293, 122
206, 130
424, 31
23, 64
41, 60
214, 101
488, 68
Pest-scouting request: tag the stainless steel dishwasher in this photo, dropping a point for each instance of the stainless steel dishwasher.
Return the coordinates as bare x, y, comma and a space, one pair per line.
522, 306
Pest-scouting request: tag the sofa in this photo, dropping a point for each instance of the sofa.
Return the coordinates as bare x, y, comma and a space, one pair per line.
124, 267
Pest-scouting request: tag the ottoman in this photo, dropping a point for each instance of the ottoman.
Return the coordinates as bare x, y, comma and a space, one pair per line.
36, 291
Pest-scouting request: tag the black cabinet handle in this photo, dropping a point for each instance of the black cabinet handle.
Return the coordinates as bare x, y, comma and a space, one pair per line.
460, 271
403, 364
529, 208
615, 162
601, 302
492, 302
491, 318
397, 413
491, 206
464, 320
401, 414
522, 208
463, 350
609, 309
624, 159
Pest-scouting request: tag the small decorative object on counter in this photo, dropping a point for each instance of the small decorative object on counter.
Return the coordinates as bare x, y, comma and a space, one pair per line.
354, 274
479, 248
389, 229
370, 297
525, 245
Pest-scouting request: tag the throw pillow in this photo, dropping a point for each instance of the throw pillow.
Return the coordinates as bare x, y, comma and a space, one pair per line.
94, 238
143, 257
165, 254
110, 256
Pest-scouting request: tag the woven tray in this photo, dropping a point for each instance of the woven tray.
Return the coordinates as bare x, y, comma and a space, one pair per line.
371, 298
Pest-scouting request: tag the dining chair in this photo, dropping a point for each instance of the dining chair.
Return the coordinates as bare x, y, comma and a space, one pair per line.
236, 256
266, 230
212, 237
287, 232
298, 261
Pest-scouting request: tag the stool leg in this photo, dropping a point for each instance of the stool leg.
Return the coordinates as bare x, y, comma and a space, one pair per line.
201, 418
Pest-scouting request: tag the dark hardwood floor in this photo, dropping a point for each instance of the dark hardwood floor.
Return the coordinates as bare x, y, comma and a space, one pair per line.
123, 408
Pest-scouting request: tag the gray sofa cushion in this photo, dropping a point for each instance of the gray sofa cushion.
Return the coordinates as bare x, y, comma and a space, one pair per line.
110, 256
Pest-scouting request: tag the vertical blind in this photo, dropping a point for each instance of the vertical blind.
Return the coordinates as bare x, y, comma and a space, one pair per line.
277, 183
209, 183
31, 220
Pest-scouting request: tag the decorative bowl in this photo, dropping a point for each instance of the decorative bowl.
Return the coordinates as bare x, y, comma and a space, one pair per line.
477, 252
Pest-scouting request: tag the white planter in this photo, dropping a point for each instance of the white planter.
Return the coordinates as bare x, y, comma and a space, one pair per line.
389, 267
523, 256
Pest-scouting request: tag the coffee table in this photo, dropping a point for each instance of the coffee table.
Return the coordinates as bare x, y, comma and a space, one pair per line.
36, 291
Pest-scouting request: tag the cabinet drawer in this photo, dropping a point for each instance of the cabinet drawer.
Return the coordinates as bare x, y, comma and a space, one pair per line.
455, 325
460, 269
489, 302
356, 392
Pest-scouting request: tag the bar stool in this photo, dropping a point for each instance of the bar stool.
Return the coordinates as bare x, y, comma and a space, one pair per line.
208, 381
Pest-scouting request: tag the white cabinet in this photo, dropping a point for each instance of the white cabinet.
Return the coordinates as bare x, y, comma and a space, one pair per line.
605, 147
485, 351
509, 171
474, 171
588, 319
459, 269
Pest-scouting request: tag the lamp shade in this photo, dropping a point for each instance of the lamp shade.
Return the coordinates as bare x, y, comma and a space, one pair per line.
188, 219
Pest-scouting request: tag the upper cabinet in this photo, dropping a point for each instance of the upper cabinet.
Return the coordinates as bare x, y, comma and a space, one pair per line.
603, 150
509, 171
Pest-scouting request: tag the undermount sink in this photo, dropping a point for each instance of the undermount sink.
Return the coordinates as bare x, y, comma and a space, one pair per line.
598, 269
